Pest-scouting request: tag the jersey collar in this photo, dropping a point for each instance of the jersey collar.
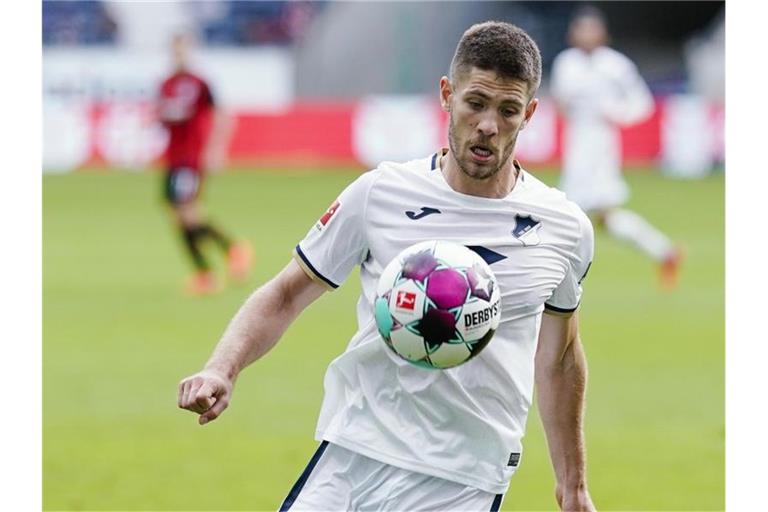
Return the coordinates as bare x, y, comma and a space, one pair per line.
519, 171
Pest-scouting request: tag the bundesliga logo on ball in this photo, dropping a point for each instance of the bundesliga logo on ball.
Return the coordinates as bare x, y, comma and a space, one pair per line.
437, 304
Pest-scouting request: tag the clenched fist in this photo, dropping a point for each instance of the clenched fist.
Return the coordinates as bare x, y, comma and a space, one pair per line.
206, 393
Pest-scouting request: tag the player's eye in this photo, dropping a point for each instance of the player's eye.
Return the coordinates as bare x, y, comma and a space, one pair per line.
508, 112
476, 105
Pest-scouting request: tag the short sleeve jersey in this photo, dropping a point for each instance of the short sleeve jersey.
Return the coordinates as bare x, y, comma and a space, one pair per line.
464, 424
184, 106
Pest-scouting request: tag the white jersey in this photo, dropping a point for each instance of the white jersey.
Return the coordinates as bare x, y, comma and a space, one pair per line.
599, 92
464, 424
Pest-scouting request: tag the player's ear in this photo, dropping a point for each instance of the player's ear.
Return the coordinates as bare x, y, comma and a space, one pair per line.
446, 92
529, 110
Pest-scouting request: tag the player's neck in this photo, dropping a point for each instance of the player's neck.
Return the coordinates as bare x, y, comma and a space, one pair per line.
496, 187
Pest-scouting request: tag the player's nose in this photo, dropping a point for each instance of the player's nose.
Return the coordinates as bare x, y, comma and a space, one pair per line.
488, 125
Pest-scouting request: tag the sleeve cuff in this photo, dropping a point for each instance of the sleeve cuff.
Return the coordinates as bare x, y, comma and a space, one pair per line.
554, 310
311, 271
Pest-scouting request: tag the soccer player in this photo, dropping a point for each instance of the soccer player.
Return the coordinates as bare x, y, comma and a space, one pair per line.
186, 108
394, 436
599, 90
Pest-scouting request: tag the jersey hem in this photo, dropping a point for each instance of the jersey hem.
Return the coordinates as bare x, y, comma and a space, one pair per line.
410, 465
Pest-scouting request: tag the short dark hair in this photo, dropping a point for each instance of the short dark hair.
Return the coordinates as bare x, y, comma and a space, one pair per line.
501, 47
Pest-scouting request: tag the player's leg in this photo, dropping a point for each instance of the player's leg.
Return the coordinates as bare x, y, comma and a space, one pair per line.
239, 252
203, 280
630, 227
239, 260
207, 230
185, 217
182, 187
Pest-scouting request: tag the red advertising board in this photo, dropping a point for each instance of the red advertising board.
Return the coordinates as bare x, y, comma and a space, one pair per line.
356, 133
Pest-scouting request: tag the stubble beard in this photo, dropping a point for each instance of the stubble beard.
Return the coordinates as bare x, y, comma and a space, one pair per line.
470, 169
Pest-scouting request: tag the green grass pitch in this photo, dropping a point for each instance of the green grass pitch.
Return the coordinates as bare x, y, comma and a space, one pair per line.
118, 336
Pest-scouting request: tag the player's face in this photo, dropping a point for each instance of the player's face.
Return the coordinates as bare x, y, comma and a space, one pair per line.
588, 33
487, 113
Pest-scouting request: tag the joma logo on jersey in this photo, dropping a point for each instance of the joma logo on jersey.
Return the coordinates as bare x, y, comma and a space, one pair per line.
526, 229
405, 300
328, 215
425, 210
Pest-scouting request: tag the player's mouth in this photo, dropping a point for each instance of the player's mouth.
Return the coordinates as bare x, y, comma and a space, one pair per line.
480, 153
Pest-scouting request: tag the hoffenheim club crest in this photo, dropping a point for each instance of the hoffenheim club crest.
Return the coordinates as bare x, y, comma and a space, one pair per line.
526, 230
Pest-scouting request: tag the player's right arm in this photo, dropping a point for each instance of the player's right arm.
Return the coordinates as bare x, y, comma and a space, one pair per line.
253, 331
322, 261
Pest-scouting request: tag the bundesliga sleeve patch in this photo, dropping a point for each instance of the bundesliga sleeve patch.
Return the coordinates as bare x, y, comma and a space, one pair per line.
328, 215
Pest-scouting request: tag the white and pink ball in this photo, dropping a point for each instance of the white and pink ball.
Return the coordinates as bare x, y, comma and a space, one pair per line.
437, 304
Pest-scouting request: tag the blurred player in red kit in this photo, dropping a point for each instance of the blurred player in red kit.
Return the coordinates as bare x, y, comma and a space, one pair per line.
198, 136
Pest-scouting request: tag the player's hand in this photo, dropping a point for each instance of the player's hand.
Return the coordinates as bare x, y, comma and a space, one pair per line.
574, 500
215, 159
206, 393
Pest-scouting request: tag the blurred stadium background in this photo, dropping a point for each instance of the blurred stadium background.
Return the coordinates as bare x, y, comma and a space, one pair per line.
318, 92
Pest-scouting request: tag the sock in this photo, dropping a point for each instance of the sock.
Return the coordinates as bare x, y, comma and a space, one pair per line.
192, 241
207, 230
630, 227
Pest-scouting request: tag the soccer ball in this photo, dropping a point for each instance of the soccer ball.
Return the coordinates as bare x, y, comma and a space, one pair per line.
437, 304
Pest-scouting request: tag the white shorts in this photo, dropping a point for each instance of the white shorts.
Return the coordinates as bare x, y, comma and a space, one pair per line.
337, 479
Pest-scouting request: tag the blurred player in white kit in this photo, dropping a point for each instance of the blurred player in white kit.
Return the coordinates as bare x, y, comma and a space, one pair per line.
599, 90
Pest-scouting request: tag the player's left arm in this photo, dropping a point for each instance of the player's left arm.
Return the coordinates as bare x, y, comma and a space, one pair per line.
561, 381
635, 102
560, 88
215, 156
561, 374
